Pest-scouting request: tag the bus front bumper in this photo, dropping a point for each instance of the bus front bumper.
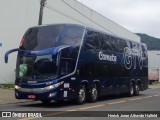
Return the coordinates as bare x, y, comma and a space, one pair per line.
39, 93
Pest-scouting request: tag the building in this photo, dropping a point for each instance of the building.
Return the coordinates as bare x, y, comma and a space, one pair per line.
17, 16
154, 65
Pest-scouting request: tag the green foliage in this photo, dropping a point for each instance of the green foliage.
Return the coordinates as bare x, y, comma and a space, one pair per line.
7, 85
151, 42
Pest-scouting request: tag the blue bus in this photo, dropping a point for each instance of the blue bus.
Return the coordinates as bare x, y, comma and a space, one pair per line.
73, 62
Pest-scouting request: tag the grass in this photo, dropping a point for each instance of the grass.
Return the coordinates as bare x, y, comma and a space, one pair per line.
7, 85
154, 83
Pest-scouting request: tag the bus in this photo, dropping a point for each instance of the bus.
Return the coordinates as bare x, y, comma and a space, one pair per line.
74, 62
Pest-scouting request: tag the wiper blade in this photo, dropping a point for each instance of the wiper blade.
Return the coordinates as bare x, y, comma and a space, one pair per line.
52, 77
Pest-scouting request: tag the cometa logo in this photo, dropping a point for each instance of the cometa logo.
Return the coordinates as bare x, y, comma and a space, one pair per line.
112, 57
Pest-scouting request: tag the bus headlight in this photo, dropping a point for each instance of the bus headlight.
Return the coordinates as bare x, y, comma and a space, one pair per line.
54, 85
17, 87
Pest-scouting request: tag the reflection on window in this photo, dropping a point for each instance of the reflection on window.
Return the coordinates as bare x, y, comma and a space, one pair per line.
38, 66
73, 36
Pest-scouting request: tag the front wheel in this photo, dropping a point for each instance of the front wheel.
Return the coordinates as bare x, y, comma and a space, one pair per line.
81, 95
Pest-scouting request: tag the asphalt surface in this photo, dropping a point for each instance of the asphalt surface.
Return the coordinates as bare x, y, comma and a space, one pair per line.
148, 100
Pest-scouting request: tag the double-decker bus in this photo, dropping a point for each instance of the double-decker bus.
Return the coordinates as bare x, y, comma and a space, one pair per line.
73, 62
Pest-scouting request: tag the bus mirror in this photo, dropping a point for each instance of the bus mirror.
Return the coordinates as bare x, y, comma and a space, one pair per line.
7, 54
6, 58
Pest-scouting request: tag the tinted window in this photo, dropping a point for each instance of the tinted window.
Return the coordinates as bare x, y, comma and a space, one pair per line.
121, 44
96, 40
43, 37
107, 44
68, 59
93, 40
37, 66
73, 35
52, 36
113, 42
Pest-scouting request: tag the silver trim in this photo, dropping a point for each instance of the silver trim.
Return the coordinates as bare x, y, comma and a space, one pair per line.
35, 90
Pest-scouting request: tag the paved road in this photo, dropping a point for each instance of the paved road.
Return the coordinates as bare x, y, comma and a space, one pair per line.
148, 100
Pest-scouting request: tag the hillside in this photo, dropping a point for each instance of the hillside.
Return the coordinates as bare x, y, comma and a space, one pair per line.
151, 42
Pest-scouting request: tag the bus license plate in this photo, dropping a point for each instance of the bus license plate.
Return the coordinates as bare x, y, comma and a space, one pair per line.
31, 96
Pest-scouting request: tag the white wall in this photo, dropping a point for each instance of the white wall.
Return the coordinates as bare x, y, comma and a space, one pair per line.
154, 60
17, 15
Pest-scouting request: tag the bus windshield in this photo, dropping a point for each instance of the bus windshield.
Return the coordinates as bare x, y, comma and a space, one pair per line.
37, 66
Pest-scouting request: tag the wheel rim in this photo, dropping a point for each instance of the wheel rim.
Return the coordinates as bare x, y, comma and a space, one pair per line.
137, 89
94, 92
82, 94
131, 90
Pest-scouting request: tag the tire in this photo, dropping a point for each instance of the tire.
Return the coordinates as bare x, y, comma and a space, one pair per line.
131, 90
81, 95
136, 89
46, 102
93, 95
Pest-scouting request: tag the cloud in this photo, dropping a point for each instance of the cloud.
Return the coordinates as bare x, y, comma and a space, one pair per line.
136, 15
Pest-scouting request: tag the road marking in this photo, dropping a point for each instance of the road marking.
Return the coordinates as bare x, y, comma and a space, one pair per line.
156, 95
112, 103
90, 107
31, 118
140, 98
71, 110
57, 113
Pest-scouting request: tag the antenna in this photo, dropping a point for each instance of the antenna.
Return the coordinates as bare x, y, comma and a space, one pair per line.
42, 3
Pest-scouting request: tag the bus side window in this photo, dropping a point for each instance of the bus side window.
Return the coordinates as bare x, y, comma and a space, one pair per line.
121, 45
88, 44
128, 44
113, 42
96, 40
68, 58
107, 44
134, 45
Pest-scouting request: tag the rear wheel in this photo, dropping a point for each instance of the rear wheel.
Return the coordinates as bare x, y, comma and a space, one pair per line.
94, 94
81, 95
136, 89
131, 89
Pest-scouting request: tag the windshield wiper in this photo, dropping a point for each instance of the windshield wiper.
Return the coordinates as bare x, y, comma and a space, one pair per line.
52, 77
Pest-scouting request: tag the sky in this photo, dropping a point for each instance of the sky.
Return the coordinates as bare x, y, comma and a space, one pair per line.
138, 16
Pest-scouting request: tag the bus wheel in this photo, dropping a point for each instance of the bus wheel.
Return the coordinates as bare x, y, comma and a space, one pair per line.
136, 89
94, 94
46, 101
131, 90
81, 95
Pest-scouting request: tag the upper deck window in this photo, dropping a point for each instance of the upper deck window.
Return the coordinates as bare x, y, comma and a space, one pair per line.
39, 38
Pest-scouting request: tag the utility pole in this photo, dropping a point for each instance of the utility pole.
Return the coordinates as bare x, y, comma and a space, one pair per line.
42, 3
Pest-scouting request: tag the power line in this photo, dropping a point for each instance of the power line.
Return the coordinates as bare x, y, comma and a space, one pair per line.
71, 17
59, 12
87, 17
